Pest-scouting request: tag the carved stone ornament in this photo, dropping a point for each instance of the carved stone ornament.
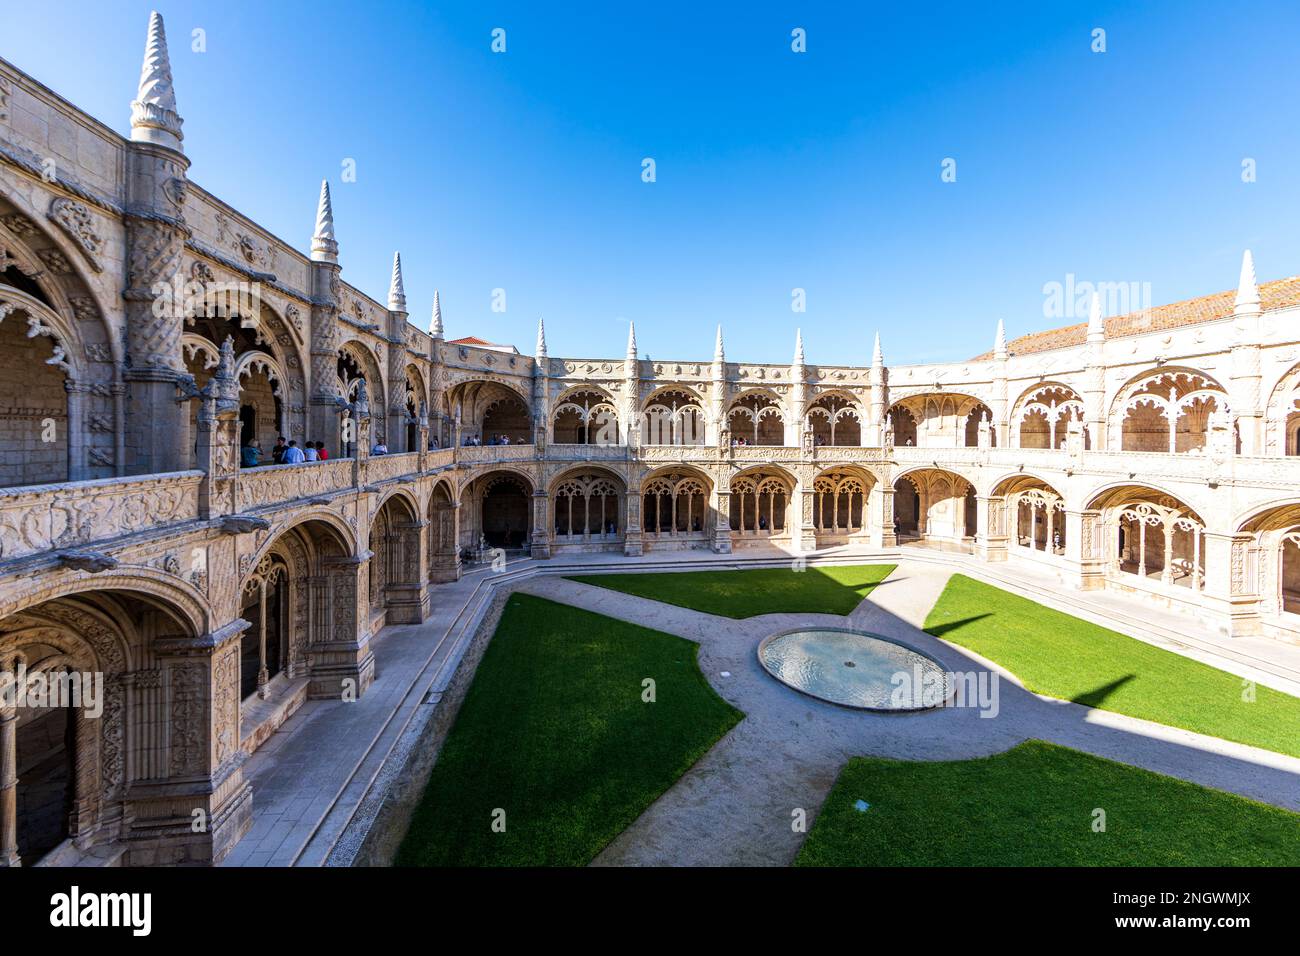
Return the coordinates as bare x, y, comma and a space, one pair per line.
76, 219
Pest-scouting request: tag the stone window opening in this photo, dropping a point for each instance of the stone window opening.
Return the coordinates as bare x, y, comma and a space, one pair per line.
262, 646
675, 506
587, 508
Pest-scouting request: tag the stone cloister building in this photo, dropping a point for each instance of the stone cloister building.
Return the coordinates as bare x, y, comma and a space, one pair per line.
148, 331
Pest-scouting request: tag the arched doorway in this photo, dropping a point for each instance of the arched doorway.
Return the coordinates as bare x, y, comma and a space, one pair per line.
942, 511
498, 512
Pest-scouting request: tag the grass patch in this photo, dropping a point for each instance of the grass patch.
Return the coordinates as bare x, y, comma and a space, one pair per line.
741, 594
1033, 806
553, 730
1062, 656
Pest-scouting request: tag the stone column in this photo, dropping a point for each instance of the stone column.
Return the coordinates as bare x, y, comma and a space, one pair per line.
325, 406
881, 503
991, 527
722, 522
194, 805
1232, 581
77, 470
157, 424
632, 525
343, 664
1085, 553
406, 597
9, 787
444, 553
541, 528
805, 538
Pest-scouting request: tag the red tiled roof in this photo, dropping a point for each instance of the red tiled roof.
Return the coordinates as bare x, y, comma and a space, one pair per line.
1279, 294
469, 340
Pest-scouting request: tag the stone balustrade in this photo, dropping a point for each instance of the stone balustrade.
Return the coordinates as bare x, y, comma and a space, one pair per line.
387, 467
272, 484
40, 518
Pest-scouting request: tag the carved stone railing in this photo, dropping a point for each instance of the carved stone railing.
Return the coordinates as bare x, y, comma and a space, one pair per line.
477, 454
556, 452
38, 518
386, 467
272, 484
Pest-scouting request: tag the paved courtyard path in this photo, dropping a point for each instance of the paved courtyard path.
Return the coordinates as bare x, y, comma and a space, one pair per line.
737, 804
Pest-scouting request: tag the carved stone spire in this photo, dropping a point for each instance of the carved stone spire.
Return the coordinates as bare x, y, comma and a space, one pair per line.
396, 291
877, 356
153, 111
631, 340
1000, 342
798, 346
323, 246
435, 325
227, 384
1096, 324
1247, 289
541, 339
719, 354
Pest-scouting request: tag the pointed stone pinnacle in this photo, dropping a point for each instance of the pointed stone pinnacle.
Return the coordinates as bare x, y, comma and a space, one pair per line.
541, 338
435, 325
1000, 340
153, 111
719, 354
1247, 287
1096, 325
631, 340
798, 347
323, 246
877, 356
396, 290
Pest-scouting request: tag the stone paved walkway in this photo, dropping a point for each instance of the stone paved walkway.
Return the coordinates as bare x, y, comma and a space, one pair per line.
735, 806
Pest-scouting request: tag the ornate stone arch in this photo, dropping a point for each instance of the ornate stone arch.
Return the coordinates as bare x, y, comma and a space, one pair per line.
1149, 411
1282, 415
56, 328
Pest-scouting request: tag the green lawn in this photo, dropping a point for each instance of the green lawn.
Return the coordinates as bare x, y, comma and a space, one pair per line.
1035, 806
554, 732
740, 594
1062, 656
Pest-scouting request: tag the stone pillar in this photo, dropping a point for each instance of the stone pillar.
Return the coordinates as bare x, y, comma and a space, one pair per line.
154, 294
881, 502
541, 527
1085, 551
722, 522
632, 525
326, 405
1232, 581
187, 801
343, 664
405, 596
444, 551
806, 533
8, 787
991, 527
77, 469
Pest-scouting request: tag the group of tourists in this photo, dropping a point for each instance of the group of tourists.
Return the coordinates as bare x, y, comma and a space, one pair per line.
285, 452
475, 441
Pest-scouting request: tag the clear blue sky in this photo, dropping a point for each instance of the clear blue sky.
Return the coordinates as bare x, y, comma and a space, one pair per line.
775, 170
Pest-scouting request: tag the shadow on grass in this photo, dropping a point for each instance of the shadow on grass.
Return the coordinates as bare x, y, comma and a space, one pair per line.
1097, 696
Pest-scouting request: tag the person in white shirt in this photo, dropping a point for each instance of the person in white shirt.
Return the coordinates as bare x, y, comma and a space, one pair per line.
293, 454
310, 453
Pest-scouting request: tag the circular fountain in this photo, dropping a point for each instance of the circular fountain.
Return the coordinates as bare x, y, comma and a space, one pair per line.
855, 669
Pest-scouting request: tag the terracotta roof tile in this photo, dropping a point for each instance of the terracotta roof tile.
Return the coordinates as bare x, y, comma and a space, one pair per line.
1279, 294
